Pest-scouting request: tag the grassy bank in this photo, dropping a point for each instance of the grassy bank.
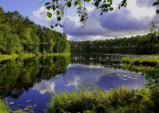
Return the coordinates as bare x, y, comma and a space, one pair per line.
55, 54
144, 61
6, 57
25, 55
114, 101
126, 60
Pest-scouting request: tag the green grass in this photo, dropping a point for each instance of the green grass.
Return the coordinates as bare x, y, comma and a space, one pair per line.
26, 55
146, 69
6, 57
153, 61
126, 60
55, 54
137, 60
146, 61
122, 100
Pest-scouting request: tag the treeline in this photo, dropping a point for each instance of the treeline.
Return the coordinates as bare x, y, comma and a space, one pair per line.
21, 35
146, 44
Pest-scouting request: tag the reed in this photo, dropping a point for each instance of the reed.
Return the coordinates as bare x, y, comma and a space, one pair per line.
126, 60
113, 101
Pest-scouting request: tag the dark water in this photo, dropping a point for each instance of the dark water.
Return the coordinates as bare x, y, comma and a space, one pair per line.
26, 82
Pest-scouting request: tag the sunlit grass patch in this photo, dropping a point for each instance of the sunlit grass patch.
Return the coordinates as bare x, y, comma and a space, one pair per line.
126, 60
27, 55
150, 61
144, 68
6, 57
137, 60
126, 66
113, 101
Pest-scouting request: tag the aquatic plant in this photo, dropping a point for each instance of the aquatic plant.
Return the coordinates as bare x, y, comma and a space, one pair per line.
137, 60
126, 60
4, 108
113, 101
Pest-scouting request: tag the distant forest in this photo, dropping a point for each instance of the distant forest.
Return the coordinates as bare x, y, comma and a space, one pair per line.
21, 35
146, 44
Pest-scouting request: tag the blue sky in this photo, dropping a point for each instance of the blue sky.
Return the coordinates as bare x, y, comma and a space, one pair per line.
132, 20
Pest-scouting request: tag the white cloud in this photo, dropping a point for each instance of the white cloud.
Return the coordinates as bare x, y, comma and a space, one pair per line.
44, 86
139, 12
131, 20
38, 16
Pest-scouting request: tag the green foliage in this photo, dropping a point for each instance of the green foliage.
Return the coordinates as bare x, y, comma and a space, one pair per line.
58, 18
68, 4
126, 60
114, 101
47, 3
49, 14
137, 60
21, 35
146, 44
156, 3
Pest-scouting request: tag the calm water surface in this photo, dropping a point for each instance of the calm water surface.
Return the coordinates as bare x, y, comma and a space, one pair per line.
26, 82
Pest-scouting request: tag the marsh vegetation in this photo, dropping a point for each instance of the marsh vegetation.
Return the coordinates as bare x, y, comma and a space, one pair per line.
26, 72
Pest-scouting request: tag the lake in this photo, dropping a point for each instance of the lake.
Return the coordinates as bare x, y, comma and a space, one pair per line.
26, 81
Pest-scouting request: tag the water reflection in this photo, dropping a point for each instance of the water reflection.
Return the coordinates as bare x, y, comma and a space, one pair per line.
31, 78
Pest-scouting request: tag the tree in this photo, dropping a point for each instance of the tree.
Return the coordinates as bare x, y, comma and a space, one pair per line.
58, 8
154, 27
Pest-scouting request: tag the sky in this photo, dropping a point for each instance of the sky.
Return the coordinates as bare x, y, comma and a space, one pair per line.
132, 20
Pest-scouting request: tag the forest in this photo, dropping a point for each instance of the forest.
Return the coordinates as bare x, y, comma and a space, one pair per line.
20, 35
146, 44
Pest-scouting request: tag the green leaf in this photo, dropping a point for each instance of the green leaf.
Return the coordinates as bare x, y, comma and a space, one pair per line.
68, 4
58, 18
111, 8
52, 27
79, 3
156, 3
48, 7
58, 12
85, 8
57, 4
75, 3
49, 14
88, 1
157, 11
71, 1
47, 3
54, 8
